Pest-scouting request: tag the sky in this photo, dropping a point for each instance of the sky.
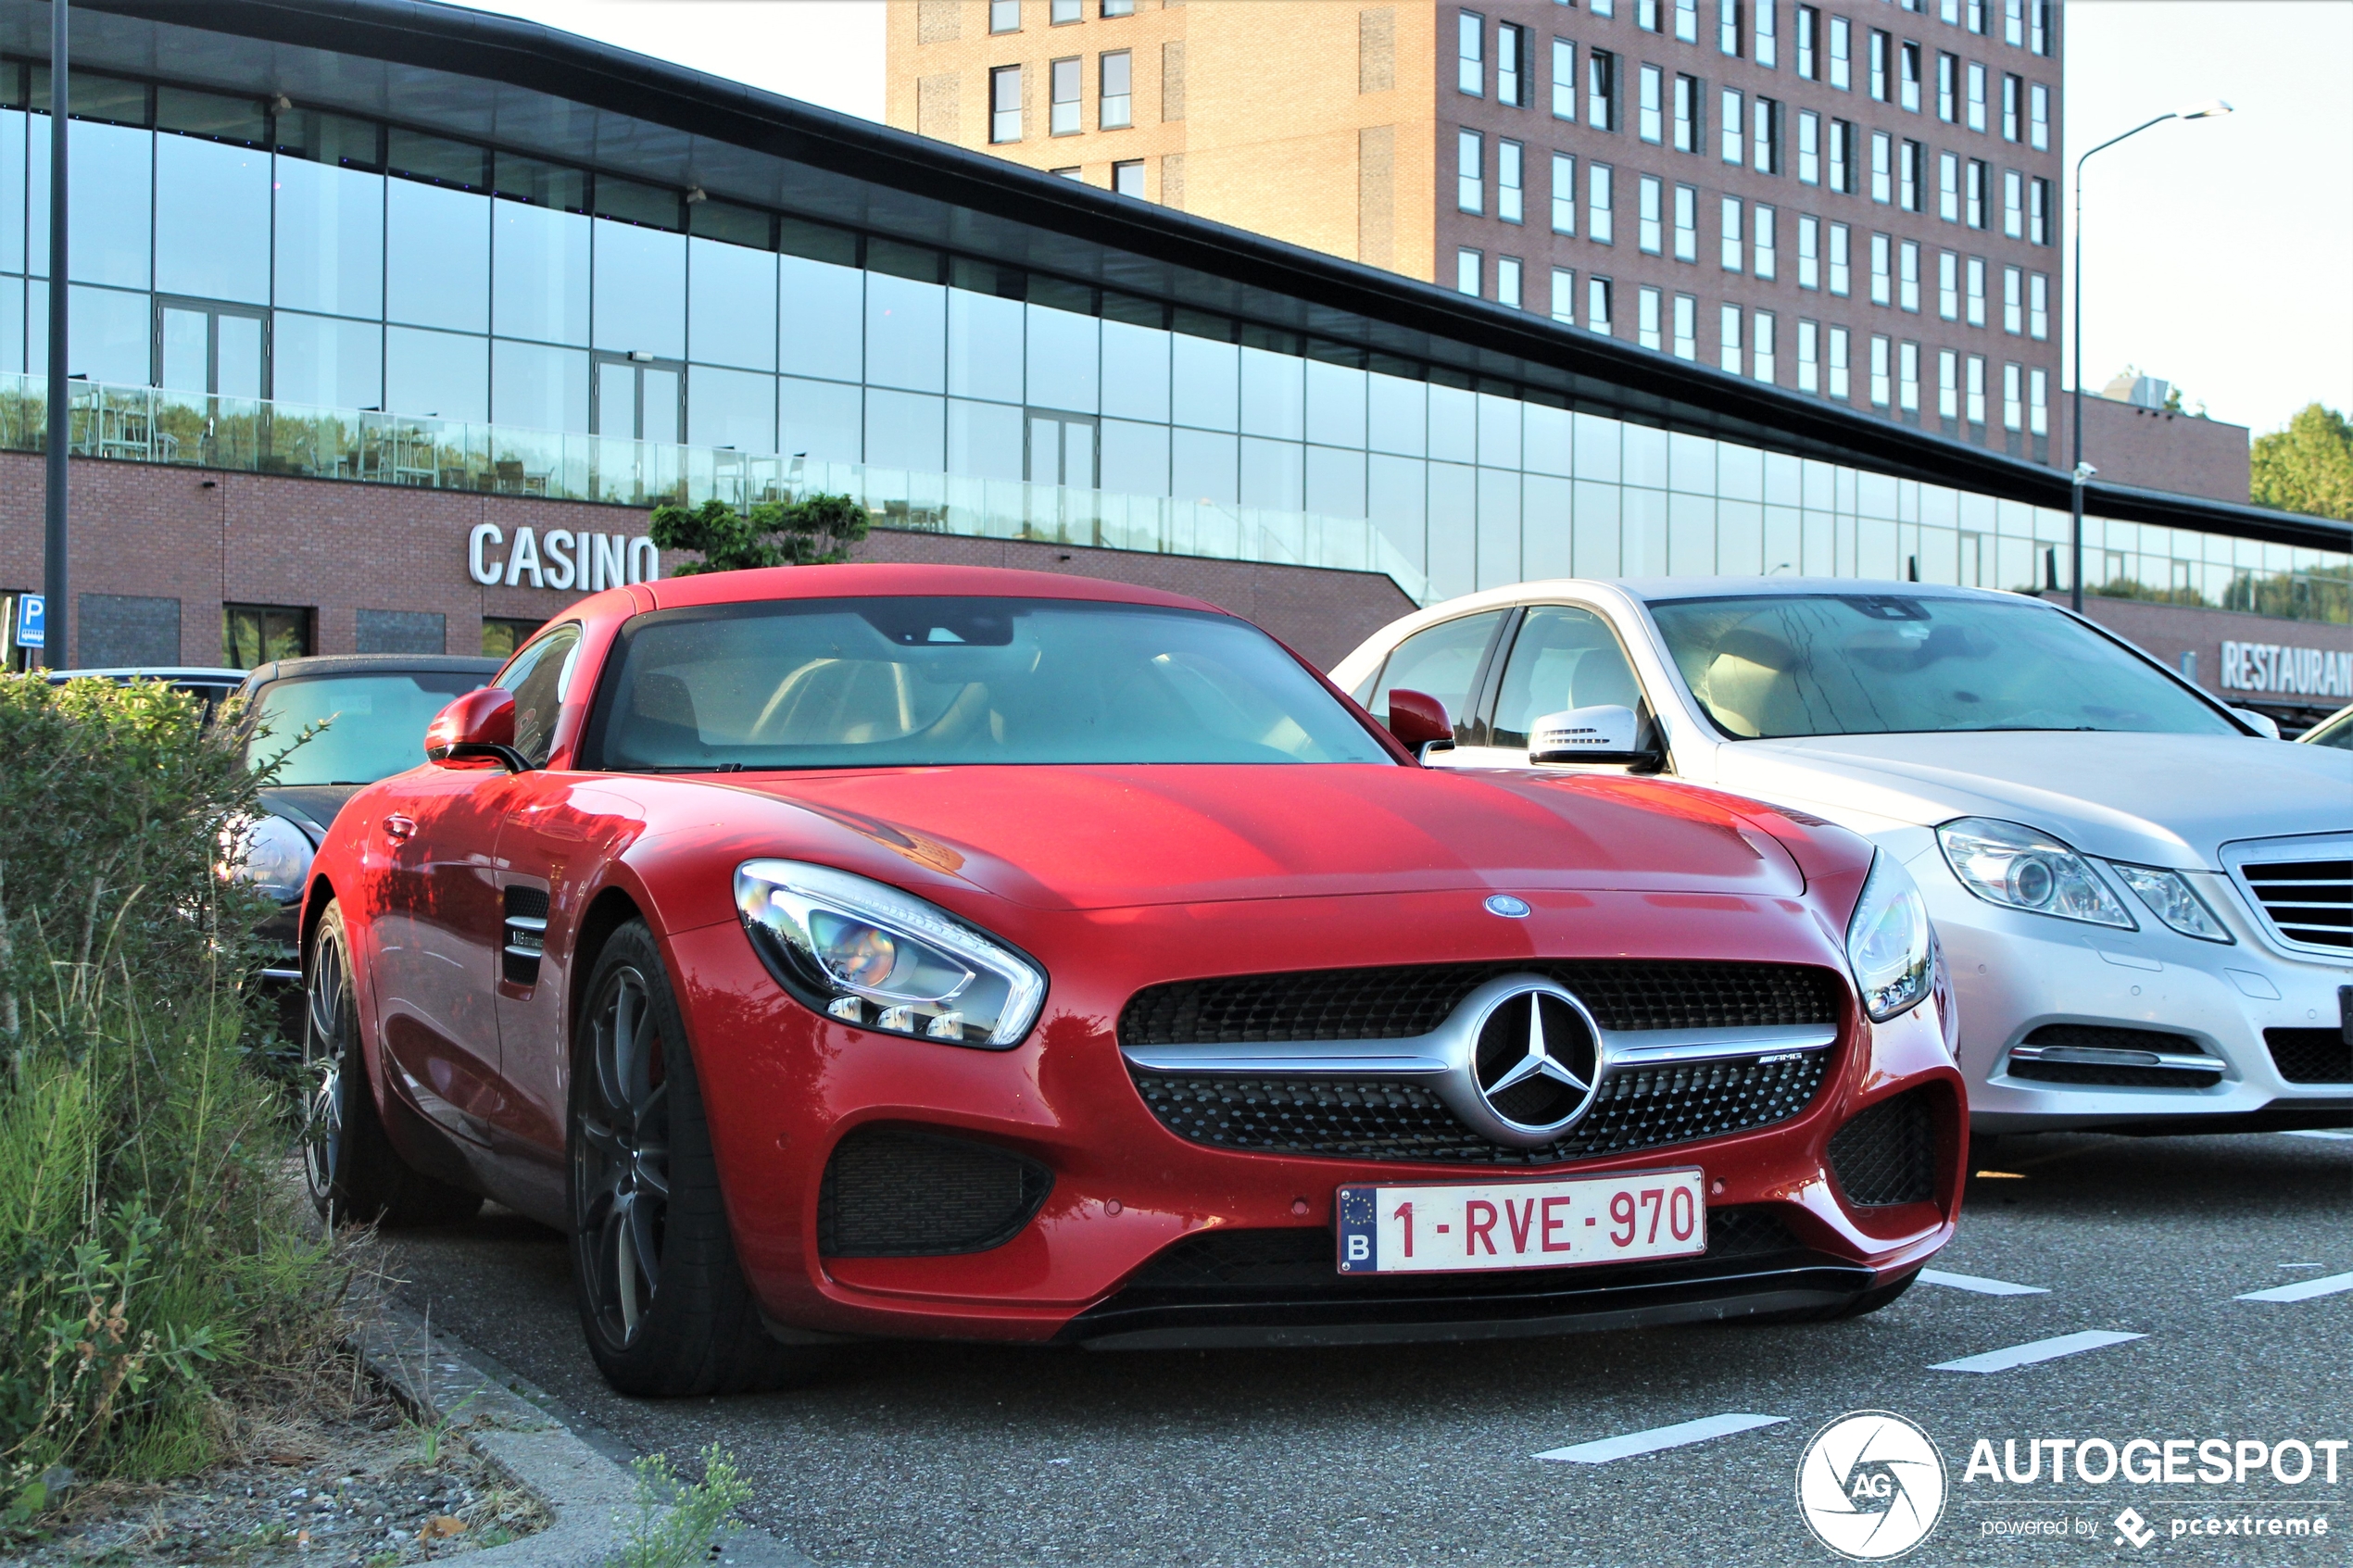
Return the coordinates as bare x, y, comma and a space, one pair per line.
2218, 253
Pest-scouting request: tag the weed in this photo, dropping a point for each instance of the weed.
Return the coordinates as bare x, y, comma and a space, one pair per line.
676, 1520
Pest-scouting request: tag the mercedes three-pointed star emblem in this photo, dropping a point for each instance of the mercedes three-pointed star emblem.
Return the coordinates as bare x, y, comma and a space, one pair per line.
1535, 1059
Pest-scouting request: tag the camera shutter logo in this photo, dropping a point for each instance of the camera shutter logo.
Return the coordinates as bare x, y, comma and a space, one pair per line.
1871, 1485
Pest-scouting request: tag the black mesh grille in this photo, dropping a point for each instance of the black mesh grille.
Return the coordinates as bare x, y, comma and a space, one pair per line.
1300, 1261
1397, 1119
889, 1192
1887, 1154
2114, 1074
1390, 1004
2310, 1056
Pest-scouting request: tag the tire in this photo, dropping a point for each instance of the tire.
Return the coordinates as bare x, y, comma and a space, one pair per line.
353, 1172
662, 1300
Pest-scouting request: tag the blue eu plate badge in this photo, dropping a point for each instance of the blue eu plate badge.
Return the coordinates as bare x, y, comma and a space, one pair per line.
1359, 1230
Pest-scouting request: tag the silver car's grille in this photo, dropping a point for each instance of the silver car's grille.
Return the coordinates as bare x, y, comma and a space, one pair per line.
2307, 902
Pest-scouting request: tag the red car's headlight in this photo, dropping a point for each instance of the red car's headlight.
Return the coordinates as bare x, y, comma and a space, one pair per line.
868, 954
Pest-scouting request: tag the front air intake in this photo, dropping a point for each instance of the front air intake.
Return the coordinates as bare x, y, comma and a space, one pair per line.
1887, 1153
895, 1192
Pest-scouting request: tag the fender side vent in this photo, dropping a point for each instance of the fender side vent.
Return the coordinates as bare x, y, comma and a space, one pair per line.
525, 937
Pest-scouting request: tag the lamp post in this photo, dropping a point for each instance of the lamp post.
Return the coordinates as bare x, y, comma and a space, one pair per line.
56, 622
2083, 470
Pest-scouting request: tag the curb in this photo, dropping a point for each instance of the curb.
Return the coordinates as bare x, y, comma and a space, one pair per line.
584, 1480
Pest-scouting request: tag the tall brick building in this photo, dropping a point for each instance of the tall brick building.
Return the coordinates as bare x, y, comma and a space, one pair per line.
1855, 201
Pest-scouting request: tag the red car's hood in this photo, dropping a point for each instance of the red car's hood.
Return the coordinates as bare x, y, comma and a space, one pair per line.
1102, 837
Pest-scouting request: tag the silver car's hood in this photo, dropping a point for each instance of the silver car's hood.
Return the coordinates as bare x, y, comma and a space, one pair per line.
2158, 799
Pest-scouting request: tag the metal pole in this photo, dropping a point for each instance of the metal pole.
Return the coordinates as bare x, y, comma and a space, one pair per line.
2075, 442
57, 650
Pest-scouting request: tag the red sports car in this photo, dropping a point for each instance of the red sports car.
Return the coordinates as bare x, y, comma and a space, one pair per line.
880, 950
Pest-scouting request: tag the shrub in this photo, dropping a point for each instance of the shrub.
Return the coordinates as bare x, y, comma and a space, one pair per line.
149, 1245
811, 531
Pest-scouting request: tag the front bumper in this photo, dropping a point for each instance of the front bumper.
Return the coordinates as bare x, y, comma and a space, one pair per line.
784, 1088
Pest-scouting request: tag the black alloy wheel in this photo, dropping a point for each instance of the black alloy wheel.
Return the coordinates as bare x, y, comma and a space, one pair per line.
621, 1181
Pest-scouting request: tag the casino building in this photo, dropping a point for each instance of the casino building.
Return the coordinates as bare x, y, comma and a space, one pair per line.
390, 321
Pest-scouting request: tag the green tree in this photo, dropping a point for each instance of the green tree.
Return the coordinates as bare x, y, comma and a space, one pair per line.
2308, 467
811, 530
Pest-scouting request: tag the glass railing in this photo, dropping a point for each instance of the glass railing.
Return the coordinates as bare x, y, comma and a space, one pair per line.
254, 435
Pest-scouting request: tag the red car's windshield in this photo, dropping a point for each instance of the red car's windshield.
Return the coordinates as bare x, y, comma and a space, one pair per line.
924, 682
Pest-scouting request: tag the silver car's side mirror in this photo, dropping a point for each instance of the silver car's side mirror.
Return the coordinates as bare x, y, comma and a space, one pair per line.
1606, 733
2263, 724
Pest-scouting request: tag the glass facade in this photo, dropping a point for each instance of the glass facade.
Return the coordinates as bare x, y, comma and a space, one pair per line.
318, 293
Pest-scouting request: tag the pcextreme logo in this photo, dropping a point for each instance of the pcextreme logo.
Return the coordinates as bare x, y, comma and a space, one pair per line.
1870, 1486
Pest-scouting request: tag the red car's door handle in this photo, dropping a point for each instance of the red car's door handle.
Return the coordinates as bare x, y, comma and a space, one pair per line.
400, 829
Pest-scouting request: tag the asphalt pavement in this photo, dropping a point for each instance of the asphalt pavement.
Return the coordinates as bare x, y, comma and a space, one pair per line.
936, 1454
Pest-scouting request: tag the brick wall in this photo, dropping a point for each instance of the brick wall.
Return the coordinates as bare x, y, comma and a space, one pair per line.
2156, 450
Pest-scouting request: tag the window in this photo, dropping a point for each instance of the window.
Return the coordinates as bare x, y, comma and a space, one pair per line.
2038, 212
1973, 194
1601, 90
1948, 285
1882, 167
1127, 178
1564, 193
1881, 46
1599, 300
1119, 7
1976, 389
2014, 23
1810, 27
1004, 104
1842, 74
1843, 156
2013, 397
1975, 291
1470, 53
1652, 195
2013, 203
1064, 12
1686, 327
1761, 346
1976, 96
1728, 27
1732, 244
1066, 79
1948, 88
1004, 15
1948, 187
1809, 252
1512, 82
1468, 265
1599, 227
1074, 173
1765, 116
1564, 79
1810, 363
1510, 180
1114, 113
1689, 120
1646, 14
1976, 9
1565, 296
1728, 339
2038, 403
1909, 157
2013, 108
2014, 301
1768, 49
1762, 239
1882, 372
2038, 98
1838, 259
1507, 281
1470, 171
1908, 63
1948, 386
1687, 22
1882, 270
1651, 125
2038, 305
1907, 377
1809, 147
2038, 26
1908, 276
1838, 363
1646, 331
1686, 223
1735, 127
1601, 8
252, 634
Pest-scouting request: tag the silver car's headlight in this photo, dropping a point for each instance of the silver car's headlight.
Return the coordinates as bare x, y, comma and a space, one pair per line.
868, 954
2012, 865
1889, 941
2171, 899
270, 852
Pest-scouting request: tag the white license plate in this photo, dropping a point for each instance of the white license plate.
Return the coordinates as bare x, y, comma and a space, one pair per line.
1555, 1224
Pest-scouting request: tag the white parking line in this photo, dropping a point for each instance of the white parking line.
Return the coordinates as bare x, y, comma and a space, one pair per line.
2038, 1350
2303, 1289
1601, 1450
1980, 1285
2319, 1133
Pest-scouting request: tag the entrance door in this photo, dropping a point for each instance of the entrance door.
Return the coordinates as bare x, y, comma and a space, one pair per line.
641, 399
1062, 449
207, 346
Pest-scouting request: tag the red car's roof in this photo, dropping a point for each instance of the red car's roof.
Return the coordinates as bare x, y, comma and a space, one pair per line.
877, 579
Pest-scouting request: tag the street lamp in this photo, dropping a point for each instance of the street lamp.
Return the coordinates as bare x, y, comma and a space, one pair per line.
2083, 470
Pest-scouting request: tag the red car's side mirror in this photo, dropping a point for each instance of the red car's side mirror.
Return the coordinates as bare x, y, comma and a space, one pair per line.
1418, 720
476, 730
